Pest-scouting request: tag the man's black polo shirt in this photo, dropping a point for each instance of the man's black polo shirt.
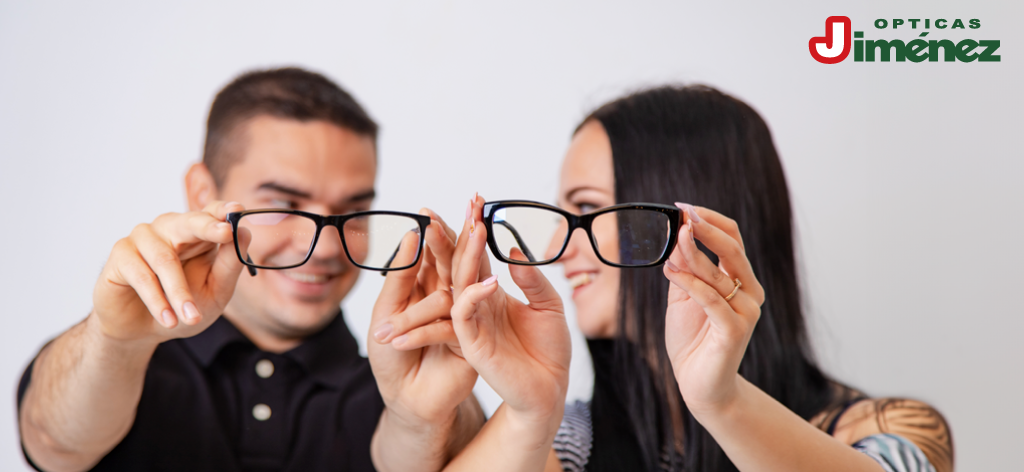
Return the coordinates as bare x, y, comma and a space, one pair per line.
215, 402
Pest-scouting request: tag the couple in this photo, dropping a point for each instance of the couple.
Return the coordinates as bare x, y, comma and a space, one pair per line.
701, 363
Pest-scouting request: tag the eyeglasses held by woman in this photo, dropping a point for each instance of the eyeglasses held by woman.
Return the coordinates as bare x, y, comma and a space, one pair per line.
541, 232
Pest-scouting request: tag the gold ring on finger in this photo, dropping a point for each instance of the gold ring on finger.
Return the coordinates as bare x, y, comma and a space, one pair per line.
736, 288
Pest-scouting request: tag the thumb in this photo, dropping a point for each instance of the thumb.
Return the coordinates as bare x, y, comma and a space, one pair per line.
537, 289
227, 267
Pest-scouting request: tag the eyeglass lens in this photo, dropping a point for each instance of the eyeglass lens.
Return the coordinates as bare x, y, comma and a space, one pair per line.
642, 236
629, 237
283, 240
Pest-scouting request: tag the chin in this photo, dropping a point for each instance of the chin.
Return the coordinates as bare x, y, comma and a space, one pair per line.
594, 327
303, 319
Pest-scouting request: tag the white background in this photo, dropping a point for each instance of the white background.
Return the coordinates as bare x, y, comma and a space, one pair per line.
906, 177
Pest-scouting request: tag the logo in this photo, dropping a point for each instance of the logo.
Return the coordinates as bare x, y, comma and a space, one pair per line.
835, 46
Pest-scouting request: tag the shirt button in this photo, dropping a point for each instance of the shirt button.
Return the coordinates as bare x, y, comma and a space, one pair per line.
261, 412
264, 368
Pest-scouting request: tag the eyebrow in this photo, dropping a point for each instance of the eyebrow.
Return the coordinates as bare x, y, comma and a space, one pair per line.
572, 192
276, 187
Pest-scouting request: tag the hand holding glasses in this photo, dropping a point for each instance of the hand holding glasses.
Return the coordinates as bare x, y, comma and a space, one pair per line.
283, 239
646, 232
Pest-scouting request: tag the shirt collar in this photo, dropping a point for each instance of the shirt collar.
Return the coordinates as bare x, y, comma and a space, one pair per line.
324, 356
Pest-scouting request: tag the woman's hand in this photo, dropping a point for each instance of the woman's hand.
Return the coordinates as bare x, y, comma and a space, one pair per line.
521, 350
706, 336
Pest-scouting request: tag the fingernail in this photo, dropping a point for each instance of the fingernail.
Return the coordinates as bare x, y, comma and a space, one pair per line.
399, 341
671, 266
689, 229
223, 225
383, 331
693, 214
191, 312
231, 204
168, 317
490, 280
475, 196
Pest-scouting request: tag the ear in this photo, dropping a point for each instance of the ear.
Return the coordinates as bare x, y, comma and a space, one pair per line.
200, 188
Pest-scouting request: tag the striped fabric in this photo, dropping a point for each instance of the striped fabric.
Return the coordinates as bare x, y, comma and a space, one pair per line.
574, 440
894, 453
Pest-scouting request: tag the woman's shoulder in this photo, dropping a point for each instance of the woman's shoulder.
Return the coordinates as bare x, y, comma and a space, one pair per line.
868, 422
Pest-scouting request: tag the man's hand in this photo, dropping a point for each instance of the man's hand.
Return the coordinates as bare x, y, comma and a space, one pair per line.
422, 385
170, 278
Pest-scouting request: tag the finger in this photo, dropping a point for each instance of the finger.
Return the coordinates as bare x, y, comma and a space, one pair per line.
441, 332
717, 219
687, 255
718, 310
399, 284
165, 263
442, 246
227, 267
470, 249
478, 213
446, 230
133, 271
427, 278
208, 225
731, 254
537, 289
437, 305
464, 309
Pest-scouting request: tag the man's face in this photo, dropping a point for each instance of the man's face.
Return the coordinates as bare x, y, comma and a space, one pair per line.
312, 166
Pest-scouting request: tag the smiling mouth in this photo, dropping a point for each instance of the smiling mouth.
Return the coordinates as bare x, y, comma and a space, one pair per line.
580, 280
307, 278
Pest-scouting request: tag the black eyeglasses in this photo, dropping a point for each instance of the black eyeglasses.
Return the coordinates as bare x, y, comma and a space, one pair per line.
541, 232
283, 239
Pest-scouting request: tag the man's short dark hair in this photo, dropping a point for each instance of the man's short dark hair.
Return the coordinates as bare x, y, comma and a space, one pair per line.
290, 93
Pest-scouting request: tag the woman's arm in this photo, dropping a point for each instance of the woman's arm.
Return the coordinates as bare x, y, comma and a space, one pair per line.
760, 434
711, 315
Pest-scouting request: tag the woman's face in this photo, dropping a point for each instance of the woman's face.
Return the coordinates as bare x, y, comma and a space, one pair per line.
588, 183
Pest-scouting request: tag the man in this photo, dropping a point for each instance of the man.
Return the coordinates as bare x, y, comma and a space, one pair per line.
183, 364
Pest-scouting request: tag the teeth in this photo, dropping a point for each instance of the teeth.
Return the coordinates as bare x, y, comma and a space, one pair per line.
307, 278
580, 280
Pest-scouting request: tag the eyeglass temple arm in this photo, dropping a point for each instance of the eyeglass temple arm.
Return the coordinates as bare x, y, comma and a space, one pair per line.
252, 270
384, 272
519, 240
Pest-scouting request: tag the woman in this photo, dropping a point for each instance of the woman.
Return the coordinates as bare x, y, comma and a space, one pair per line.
667, 342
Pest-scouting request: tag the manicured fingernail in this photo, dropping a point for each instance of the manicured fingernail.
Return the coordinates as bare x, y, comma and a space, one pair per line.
671, 266
168, 317
469, 209
383, 331
399, 341
490, 280
191, 312
693, 214
689, 229
223, 226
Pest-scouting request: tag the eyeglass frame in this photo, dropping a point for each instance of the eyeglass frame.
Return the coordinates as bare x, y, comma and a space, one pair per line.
338, 222
584, 221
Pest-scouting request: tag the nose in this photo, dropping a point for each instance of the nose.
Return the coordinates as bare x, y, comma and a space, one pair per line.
578, 243
328, 246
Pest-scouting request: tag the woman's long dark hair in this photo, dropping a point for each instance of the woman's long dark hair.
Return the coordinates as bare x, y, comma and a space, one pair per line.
697, 145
